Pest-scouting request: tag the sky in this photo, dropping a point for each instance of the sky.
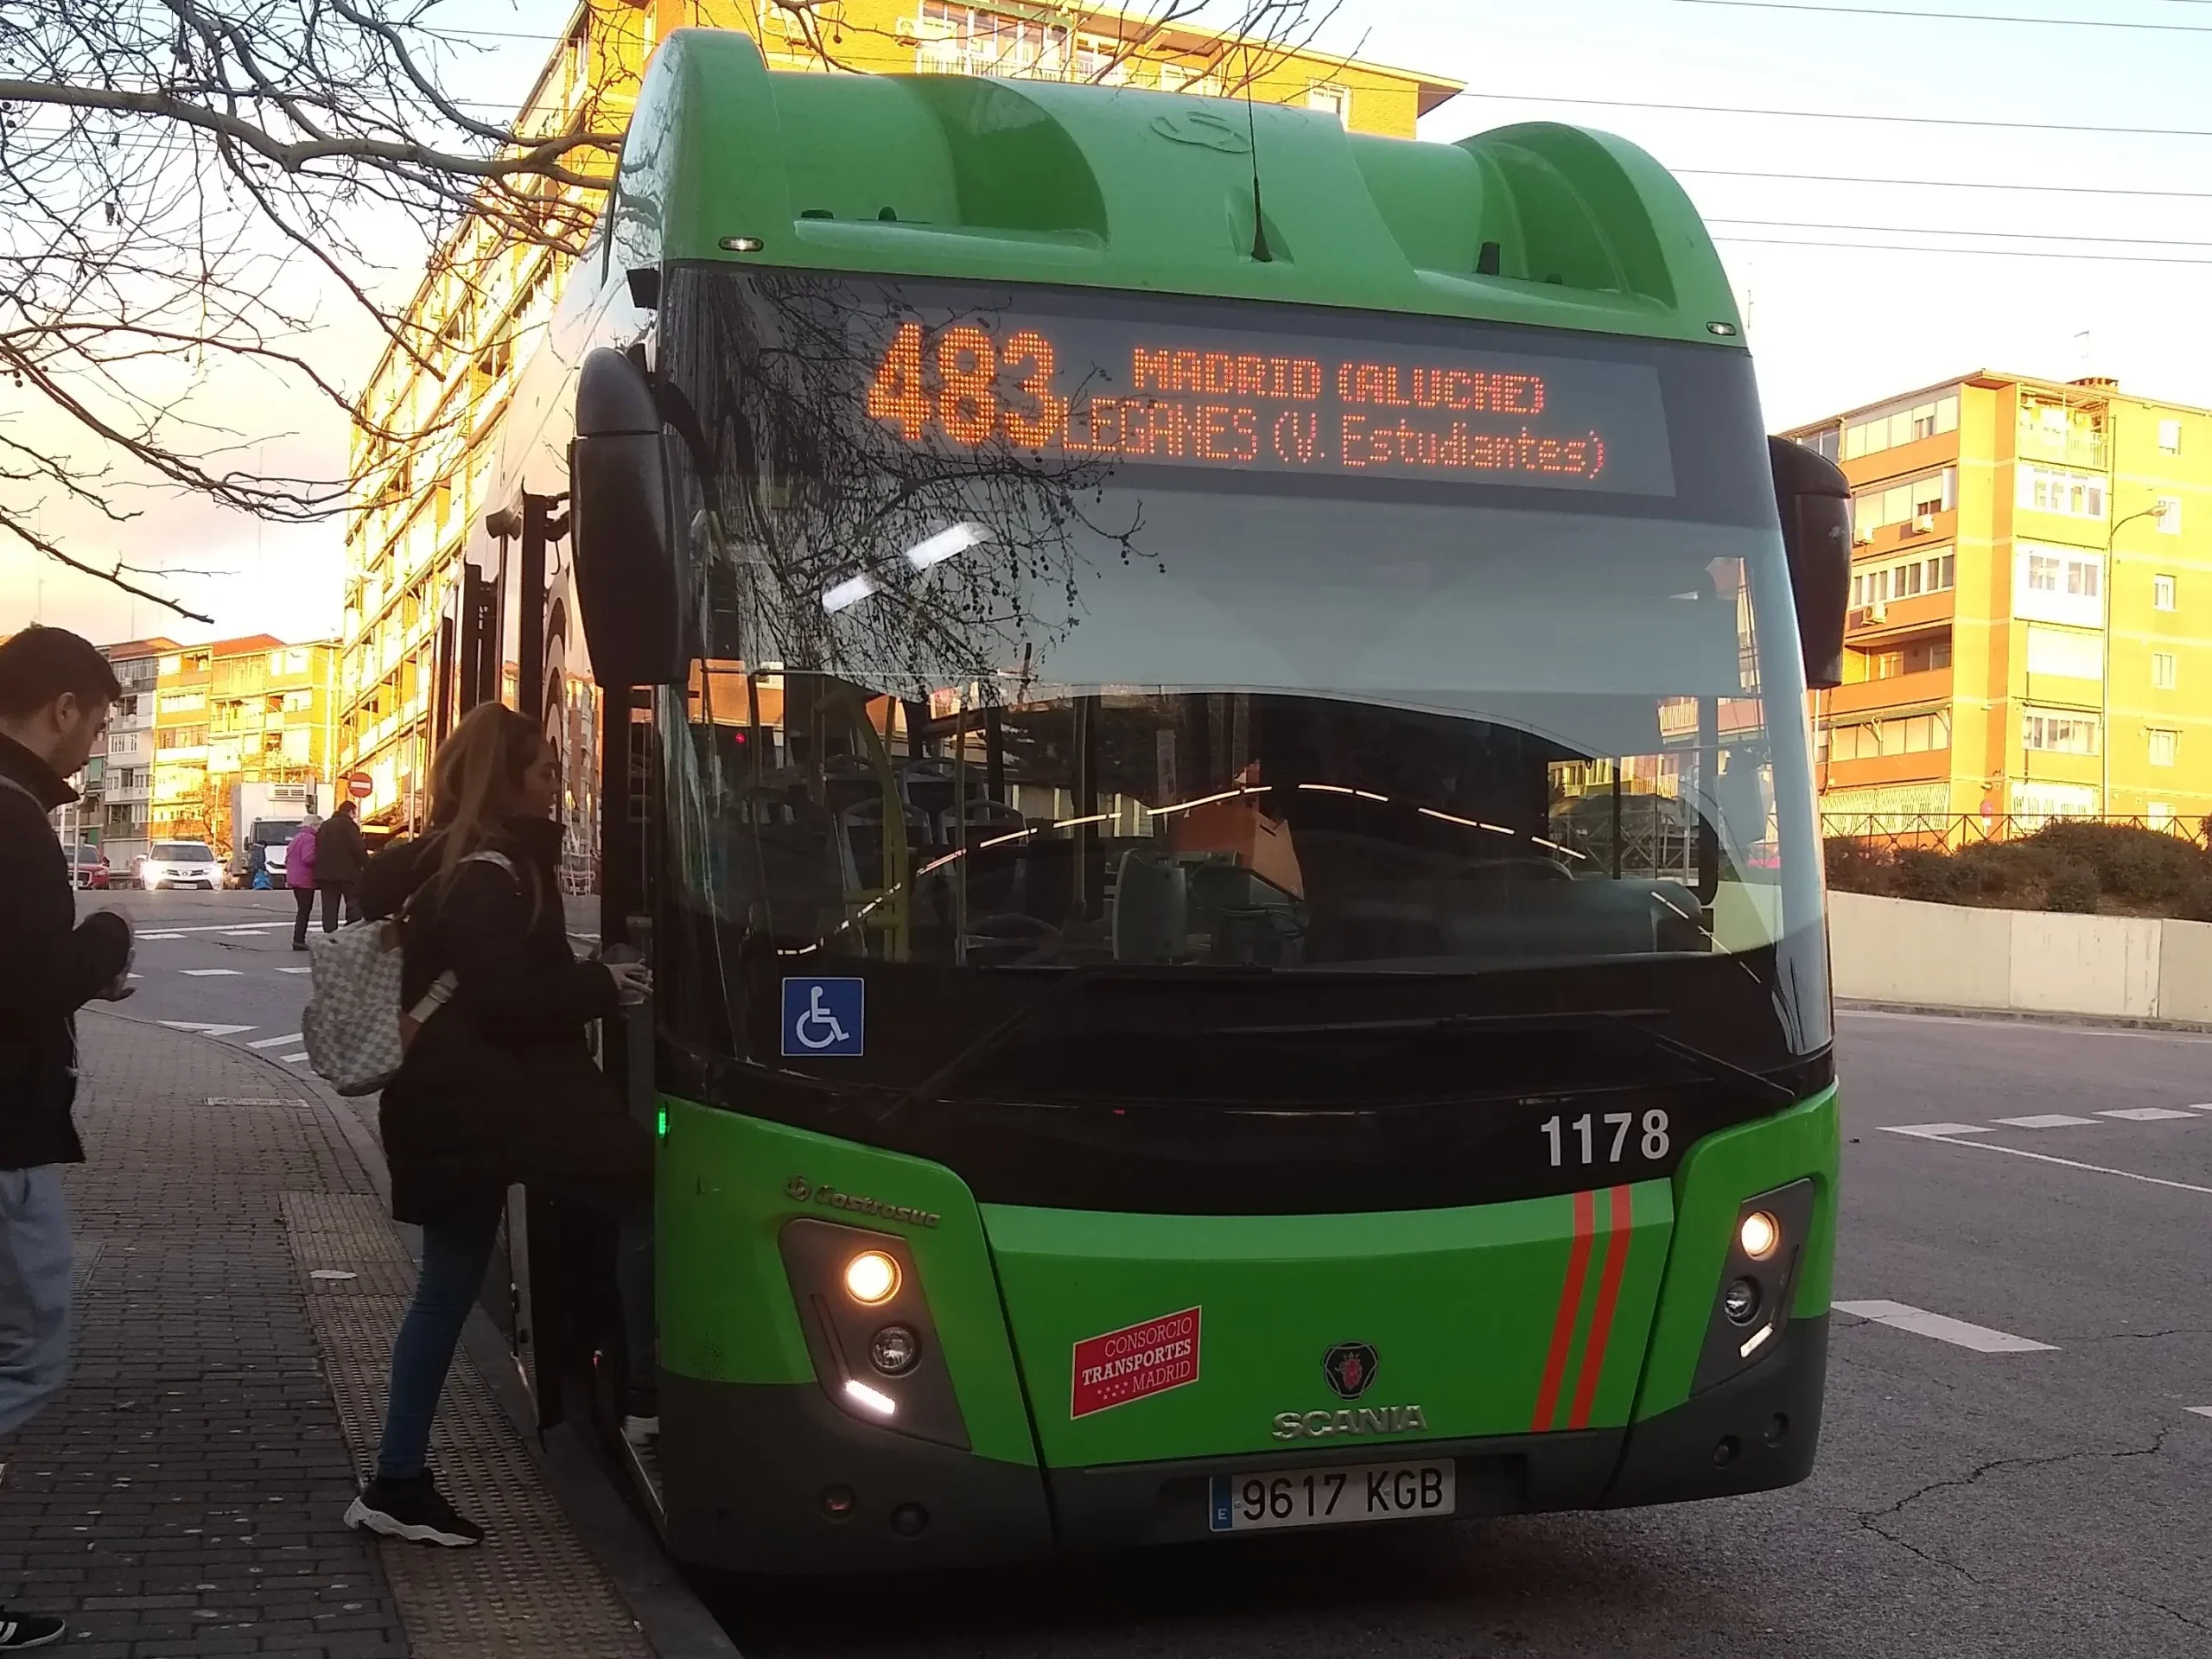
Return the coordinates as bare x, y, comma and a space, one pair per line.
1952, 217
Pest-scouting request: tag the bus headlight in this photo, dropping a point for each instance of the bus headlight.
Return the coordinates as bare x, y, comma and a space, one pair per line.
1759, 1234
871, 1278
862, 1300
1756, 1278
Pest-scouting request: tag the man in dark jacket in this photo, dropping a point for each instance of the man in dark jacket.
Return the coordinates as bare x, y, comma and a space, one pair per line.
55, 689
339, 856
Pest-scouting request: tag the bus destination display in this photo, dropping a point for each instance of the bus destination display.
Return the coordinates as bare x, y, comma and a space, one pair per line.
1098, 389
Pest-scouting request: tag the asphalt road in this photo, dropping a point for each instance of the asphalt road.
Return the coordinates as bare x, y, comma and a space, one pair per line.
2052, 1501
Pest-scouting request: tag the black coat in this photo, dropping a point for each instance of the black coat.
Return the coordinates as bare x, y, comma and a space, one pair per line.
499, 1086
339, 853
50, 966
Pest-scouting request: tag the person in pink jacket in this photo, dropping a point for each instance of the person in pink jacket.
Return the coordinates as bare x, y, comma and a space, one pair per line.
299, 876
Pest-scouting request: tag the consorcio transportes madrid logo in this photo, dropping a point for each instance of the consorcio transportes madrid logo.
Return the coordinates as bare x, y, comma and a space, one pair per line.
1134, 1363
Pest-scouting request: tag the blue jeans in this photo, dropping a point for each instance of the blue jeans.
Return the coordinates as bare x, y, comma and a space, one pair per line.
33, 1292
456, 1256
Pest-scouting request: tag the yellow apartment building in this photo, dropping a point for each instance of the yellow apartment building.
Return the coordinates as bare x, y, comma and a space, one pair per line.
249, 710
424, 458
2031, 624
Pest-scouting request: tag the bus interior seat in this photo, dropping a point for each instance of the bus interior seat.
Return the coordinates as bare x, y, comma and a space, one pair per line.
1152, 921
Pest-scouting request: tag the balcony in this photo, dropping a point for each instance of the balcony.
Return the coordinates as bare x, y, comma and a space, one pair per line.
1865, 624
2063, 448
1915, 692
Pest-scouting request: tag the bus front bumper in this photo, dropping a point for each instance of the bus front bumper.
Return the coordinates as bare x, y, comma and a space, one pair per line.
774, 1478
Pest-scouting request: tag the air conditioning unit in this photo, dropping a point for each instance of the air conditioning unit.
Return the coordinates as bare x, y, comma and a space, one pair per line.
1862, 535
1925, 523
1877, 613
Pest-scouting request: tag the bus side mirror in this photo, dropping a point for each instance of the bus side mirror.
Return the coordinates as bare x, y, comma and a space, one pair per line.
1813, 499
626, 557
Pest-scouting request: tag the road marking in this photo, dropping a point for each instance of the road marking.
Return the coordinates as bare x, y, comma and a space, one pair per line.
209, 973
295, 970
216, 927
2069, 1163
204, 1030
2199, 1109
243, 932
293, 1060
1936, 1131
1958, 1332
2144, 1114
275, 1042
2047, 1120
143, 937
2201, 1411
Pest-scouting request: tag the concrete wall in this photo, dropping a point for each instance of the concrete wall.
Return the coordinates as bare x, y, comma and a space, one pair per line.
1950, 955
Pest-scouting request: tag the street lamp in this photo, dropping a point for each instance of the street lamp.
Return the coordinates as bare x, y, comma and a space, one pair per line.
2156, 509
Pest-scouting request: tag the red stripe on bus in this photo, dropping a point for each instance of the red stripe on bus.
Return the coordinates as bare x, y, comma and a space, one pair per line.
1570, 1297
1601, 1322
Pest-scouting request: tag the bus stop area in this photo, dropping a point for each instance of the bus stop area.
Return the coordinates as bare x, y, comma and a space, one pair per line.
237, 1285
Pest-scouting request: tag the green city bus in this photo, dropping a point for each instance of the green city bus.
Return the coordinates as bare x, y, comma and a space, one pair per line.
1202, 718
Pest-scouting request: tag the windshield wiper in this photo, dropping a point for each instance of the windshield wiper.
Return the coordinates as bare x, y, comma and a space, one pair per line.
1629, 1020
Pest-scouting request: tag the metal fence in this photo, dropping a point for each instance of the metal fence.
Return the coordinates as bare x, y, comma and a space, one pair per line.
1949, 831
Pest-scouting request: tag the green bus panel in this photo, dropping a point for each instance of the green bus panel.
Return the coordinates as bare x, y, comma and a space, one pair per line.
1030, 182
1721, 1172
729, 1184
1466, 1311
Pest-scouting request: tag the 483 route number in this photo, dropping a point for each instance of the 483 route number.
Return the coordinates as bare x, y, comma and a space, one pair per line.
1590, 1140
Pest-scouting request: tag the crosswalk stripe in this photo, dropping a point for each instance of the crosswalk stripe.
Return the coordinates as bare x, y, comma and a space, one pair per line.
291, 1059
1935, 1131
210, 973
1959, 1333
275, 1042
2047, 1120
2144, 1114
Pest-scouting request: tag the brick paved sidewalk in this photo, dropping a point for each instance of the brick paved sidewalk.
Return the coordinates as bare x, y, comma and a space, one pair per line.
238, 1287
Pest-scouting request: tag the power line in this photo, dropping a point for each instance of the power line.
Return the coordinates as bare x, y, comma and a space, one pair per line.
1945, 230
1986, 253
1843, 115
1950, 16
1950, 184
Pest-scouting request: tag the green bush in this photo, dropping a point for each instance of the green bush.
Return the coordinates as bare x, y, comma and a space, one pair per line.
2073, 887
2138, 866
1937, 878
1860, 867
2006, 871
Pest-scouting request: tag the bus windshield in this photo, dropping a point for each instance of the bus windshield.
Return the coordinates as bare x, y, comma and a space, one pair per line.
1487, 668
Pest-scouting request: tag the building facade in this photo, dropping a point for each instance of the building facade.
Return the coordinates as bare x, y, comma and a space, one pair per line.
250, 710
2031, 625
128, 786
425, 448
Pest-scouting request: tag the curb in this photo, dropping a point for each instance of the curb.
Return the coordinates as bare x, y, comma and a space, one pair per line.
2029, 1016
674, 1622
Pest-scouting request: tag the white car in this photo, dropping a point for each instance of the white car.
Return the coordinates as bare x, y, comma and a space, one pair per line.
180, 864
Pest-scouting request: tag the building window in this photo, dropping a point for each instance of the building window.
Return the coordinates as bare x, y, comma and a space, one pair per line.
1330, 98
2169, 515
2163, 747
2170, 437
2056, 489
2162, 669
2162, 593
1902, 504
1871, 433
2060, 734
1874, 739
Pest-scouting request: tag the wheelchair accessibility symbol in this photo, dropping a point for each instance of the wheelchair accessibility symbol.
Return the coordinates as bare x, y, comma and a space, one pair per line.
825, 1018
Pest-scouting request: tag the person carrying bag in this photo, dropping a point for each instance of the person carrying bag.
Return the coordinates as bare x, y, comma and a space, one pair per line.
497, 1086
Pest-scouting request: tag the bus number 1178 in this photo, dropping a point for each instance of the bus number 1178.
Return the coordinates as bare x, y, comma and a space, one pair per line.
1588, 1135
